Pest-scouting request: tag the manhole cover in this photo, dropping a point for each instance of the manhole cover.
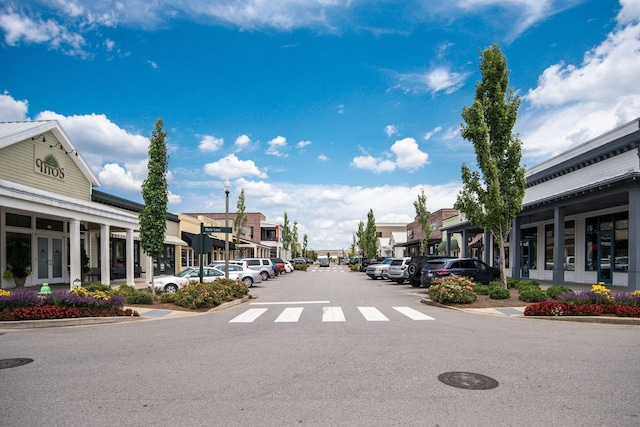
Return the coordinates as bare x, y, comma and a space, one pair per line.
12, 363
468, 380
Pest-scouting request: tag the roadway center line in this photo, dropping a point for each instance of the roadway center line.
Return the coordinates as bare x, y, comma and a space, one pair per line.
288, 302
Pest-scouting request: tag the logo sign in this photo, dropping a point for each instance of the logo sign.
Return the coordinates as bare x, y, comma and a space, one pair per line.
49, 163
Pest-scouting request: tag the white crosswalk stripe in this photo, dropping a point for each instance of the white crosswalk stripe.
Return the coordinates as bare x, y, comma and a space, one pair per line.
372, 314
329, 314
332, 314
413, 314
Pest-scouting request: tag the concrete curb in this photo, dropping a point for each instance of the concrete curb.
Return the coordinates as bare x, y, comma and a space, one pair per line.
580, 319
86, 321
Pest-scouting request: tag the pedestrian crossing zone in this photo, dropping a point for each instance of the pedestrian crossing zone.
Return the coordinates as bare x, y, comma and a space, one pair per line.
327, 314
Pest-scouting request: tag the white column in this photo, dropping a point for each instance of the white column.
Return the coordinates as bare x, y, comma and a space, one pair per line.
75, 267
129, 259
105, 268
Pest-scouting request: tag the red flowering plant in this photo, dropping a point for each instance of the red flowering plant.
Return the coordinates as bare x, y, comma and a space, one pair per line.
452, 290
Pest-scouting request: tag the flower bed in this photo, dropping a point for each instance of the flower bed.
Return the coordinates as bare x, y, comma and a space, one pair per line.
599, 301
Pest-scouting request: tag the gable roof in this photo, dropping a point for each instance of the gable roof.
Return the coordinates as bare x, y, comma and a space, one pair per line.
15, 132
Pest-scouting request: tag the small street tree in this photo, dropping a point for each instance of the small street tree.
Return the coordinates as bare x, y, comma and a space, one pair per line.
360, 237
492, 195
422, 216
305, 243
294, 239
240, 222
286, 235
370, 237
153, 218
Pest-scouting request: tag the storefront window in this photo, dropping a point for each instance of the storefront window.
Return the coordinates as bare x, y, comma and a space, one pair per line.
17, 241
528, 241
548, 247
16, 220
621, 242
570, 245
614, 230
591, 241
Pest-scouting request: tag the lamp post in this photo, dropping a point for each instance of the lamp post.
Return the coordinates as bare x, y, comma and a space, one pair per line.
227, 189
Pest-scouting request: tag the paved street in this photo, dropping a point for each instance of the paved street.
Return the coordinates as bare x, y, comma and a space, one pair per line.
323, 347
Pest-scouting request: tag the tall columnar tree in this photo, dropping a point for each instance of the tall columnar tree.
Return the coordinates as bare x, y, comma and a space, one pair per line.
422, 216
370, 236
492, 195
354, 245
305, 243
240, 222
286, 234
153, 218
360, 237
294, 239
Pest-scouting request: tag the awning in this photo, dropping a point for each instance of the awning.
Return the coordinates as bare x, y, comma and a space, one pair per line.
217, 243
442, 247
168, 239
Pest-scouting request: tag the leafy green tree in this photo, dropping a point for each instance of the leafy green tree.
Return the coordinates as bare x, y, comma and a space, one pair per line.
422, 216
294, 239
492, 196
370, 236
360, 237
286, 234
153, 218
240, 222
354, 246
305, 242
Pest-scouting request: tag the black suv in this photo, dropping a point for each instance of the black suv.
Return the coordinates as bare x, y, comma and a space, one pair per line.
472, 268
414, 268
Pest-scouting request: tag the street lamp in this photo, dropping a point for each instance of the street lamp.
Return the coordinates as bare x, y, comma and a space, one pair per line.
227, 189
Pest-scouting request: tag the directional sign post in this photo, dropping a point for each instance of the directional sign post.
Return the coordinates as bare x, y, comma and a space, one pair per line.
216, 229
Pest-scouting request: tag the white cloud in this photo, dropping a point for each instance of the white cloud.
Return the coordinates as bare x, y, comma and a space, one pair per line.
429, 134
210, 143
12, 109
231, 167
242, 142
323, 157
408, 154
303, 144
391, 130
22, 29
276, 145
114, 175
573, 103
174, 199
438, 79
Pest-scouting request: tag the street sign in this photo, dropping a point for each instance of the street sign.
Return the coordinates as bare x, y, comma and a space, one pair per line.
217, 229
201, 243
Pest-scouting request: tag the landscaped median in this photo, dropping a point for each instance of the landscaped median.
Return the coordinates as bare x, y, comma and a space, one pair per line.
98, 300
555, 301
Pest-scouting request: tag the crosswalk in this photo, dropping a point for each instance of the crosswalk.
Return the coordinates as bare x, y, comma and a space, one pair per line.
328, 314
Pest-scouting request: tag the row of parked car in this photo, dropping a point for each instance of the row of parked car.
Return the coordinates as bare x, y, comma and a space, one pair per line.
248, 270
419, 271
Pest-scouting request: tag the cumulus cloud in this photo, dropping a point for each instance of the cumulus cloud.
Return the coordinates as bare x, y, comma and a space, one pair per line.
242, 142
573, 103
323, 157
230, 167
391, 130
408, 156
210, 143
303, 144
12, 109
276, 145
116, 176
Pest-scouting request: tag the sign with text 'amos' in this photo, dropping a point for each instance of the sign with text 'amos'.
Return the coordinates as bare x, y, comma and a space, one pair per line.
49, 162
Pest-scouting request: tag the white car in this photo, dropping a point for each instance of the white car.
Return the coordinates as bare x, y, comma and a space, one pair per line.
288, 267
398, 270
379, 271
239, 272
171, 284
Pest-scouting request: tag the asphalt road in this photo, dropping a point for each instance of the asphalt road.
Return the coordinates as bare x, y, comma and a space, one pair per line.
325, 347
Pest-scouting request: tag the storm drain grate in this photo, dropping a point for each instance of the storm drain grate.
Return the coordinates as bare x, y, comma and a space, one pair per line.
12, 363
468, 380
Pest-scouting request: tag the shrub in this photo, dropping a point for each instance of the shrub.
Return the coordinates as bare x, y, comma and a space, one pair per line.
139, 297
98, 287
523, 284
554, 291
452, 289
532, 294
198, 295
481, 289
496, 292
170, 298
512, 282
301, 267
124, 290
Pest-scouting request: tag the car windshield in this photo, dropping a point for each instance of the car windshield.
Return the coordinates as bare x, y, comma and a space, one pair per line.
387, 261
185, 273
396, 262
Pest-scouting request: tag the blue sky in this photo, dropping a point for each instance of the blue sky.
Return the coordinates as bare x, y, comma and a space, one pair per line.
320, 108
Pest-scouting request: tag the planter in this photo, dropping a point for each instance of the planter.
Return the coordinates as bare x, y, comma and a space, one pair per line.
19, 281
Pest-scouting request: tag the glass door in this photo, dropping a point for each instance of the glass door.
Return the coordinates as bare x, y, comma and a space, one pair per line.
604, 257
525, 249
50, 260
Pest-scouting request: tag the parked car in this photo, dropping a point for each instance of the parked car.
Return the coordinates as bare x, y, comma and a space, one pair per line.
355, 260
398, 271
323, 261
171, 284
414, 269
262, 265
472, 268
288, 267
367, 262
246, 275
280, 263
299, 261
274, 267
379, 270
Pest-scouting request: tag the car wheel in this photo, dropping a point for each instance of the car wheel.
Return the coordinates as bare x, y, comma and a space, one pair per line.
400, 281
265, 275
415, 284
412, 269
248, 281
171, 288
